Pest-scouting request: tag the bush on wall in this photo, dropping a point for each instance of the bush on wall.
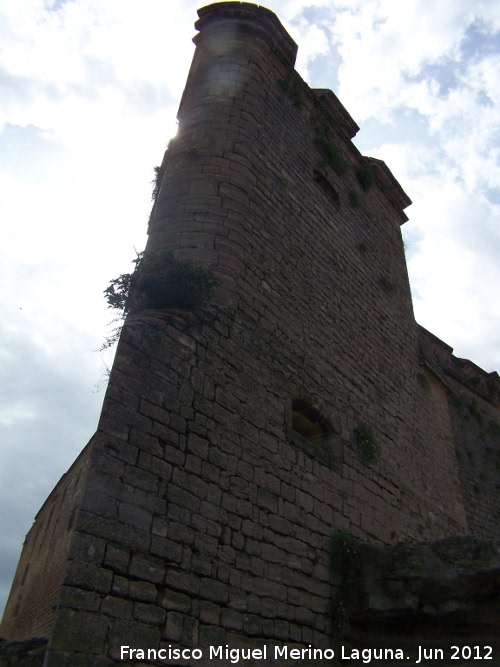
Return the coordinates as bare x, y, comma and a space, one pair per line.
159, 280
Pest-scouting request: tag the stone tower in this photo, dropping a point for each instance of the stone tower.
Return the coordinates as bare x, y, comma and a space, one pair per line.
301, 400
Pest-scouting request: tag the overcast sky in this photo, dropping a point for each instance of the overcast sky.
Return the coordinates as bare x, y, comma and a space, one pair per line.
89, 91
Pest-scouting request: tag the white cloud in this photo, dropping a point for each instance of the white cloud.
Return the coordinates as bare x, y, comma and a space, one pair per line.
454, 245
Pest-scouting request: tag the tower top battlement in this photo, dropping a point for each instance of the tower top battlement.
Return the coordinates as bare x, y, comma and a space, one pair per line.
252, 20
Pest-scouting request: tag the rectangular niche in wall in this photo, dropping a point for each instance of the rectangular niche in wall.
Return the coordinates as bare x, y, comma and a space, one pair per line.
315, 434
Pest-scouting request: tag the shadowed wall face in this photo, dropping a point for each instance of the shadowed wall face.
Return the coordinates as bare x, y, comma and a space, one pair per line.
235, 440
263, 185
34, 593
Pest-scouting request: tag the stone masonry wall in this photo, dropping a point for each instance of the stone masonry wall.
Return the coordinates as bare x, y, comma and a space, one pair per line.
316, 281
473, 399
206, 517
212, 521
33, 596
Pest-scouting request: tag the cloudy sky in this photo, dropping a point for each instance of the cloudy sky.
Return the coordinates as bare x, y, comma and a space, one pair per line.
89, 91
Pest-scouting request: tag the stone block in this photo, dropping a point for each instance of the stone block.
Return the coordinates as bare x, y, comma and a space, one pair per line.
183, 498
279, 524
226, 554
100, 504
116, 607
80, 629
174, 601
134, 634
214, 591
268, 607
149, 613
252, 529
141, 479
135, 516
160, 526
87, 548
252, 625
209, 613
273, 554
144, 591
193, 464
210, 635
206, 544
211, 473
304, 616
168, 550
119, 586
190, 632
202, 565
173, 626
88, 576
231, 619
148, 568
174, 455
145, 442
183, 581
75, 598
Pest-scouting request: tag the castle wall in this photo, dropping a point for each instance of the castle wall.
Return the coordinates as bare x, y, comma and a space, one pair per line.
205, 503
476, 426
35, 590
207, 513
312, 265
473, 399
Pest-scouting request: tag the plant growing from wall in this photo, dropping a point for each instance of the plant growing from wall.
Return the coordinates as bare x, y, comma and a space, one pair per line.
155, 183
331, 154
366, 443
354, 199
294, 87
386, 284
156, 189
366, 177
159, 280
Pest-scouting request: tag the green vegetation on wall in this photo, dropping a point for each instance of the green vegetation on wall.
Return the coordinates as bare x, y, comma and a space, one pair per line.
366, 177
331, 154
354, 199
158, 281
294, 86
155, 183
366, 444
